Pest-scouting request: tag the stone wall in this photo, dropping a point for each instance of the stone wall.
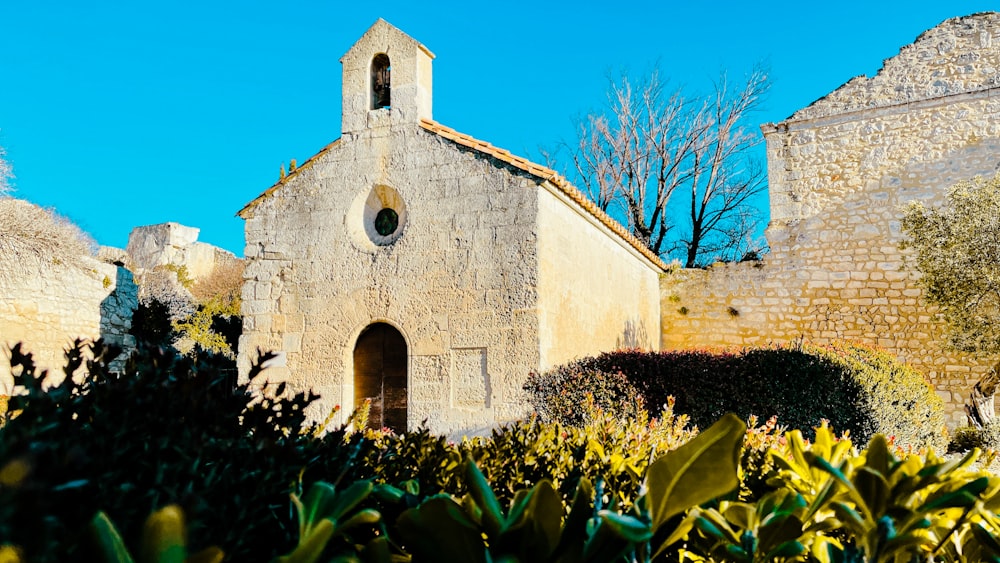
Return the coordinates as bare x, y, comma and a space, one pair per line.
49, 308
173, 244
840, 172
458, 280
596, 293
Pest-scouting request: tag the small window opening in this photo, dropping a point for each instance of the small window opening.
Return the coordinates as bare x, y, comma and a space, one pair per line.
381, 81
386, 221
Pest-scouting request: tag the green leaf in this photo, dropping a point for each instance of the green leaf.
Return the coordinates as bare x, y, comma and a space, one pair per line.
439, 530
312, 545
877, 456
482, 494
163, 537
366, 517
345, 501
626, 527
697, 472
780, 531
604, 544
207, 555
786, 550
532, 531
873, 489
741, 514
574, 531
987, 540
955, 499
109, 541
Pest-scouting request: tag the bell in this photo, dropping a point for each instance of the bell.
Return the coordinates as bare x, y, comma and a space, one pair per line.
381, 96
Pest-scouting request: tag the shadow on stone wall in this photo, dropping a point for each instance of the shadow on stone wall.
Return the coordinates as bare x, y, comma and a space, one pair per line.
116, 314
634, 335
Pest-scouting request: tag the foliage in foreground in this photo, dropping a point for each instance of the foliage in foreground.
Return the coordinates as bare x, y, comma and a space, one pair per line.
857, 389
830, 503
171, 433
171, 429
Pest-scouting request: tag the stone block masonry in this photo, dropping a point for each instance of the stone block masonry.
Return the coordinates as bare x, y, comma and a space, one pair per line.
485, 265
50, 308
840, 173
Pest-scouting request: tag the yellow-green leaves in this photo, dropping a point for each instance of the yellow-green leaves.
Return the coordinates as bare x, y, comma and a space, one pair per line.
163, 540
697, 472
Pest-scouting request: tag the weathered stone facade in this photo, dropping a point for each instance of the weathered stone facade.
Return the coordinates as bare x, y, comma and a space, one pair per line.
487, 265
50, 306
840, 172
48, 309
491, 266
173, 244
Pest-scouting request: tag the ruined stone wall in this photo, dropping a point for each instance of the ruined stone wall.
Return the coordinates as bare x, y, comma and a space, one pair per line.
595, 292
49, 308
173, 244
458, 279
840, 173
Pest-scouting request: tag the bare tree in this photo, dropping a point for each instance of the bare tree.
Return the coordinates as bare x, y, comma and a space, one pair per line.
653, 147
6, 173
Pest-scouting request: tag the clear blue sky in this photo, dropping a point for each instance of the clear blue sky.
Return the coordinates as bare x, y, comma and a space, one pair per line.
121, 114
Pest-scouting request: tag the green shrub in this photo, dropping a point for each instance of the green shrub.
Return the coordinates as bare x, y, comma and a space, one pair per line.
966, 438
171, 429
969, 437
896, 400
524, 453
559, 394
151, 323
857, 389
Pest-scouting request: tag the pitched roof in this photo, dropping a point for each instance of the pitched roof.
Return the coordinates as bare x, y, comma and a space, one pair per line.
312, 159
548, 174
542, 172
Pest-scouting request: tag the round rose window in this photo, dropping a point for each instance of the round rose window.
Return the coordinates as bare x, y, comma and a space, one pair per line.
387, 221
376, 218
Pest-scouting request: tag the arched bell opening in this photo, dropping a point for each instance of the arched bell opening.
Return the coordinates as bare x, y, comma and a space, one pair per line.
380, 359
381, 82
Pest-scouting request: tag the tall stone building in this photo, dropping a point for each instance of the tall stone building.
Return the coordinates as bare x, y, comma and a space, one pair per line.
427, 271
840, 172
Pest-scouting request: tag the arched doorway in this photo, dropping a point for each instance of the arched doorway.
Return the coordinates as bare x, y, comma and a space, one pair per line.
380, 375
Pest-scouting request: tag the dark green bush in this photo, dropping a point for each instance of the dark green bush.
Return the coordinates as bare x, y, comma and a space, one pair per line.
858, 389
896, 400
151, 323
171, 429
966, 438
559, 394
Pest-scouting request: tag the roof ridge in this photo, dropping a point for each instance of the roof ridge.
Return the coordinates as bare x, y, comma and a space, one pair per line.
550, 175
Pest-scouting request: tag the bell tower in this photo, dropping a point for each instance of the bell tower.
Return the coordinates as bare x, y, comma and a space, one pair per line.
387, 80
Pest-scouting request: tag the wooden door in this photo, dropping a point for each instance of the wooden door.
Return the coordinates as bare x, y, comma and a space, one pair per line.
380, 376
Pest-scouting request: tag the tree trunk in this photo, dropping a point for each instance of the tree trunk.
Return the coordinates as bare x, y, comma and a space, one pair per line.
981, 410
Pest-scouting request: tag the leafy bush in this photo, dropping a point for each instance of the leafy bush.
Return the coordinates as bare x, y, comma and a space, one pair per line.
559, 394
171, 429
858, 389
896, 400
970, 437
526, 452
151, 323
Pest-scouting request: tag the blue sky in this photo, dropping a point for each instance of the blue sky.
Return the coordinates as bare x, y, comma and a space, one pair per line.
120, 114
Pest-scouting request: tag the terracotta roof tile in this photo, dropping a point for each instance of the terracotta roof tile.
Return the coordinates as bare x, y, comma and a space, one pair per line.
545, 173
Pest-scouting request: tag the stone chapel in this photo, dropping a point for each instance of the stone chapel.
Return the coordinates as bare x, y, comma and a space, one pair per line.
428, 271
